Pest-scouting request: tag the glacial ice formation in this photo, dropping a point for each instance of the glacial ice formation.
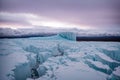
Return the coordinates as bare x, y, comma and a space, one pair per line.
68, 35
59, 59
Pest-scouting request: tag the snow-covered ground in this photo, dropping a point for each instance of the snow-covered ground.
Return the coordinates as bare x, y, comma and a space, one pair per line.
60, 59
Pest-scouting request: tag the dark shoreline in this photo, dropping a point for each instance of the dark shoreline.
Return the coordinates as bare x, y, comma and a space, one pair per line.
99, 38
26, 36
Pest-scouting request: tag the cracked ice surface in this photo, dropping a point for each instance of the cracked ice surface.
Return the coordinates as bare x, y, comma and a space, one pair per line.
60, 59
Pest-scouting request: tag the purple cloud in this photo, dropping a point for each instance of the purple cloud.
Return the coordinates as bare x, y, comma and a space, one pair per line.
88, 12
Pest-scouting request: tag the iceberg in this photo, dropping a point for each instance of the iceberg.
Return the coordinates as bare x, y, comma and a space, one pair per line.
68, 35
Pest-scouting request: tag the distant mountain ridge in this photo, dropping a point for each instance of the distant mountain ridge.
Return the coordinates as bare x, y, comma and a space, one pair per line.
42, 32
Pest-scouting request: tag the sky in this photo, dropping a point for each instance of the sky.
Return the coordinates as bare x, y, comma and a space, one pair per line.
83, 14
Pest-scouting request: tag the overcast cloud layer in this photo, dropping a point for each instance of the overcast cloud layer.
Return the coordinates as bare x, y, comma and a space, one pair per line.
94, 13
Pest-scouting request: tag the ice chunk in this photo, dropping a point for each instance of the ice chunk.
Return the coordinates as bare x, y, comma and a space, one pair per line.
68, 35
117, 71
9, 62
42, 70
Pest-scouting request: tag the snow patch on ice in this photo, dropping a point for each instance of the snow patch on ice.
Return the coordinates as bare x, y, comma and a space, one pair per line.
99, 64
9, 62
117, 71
